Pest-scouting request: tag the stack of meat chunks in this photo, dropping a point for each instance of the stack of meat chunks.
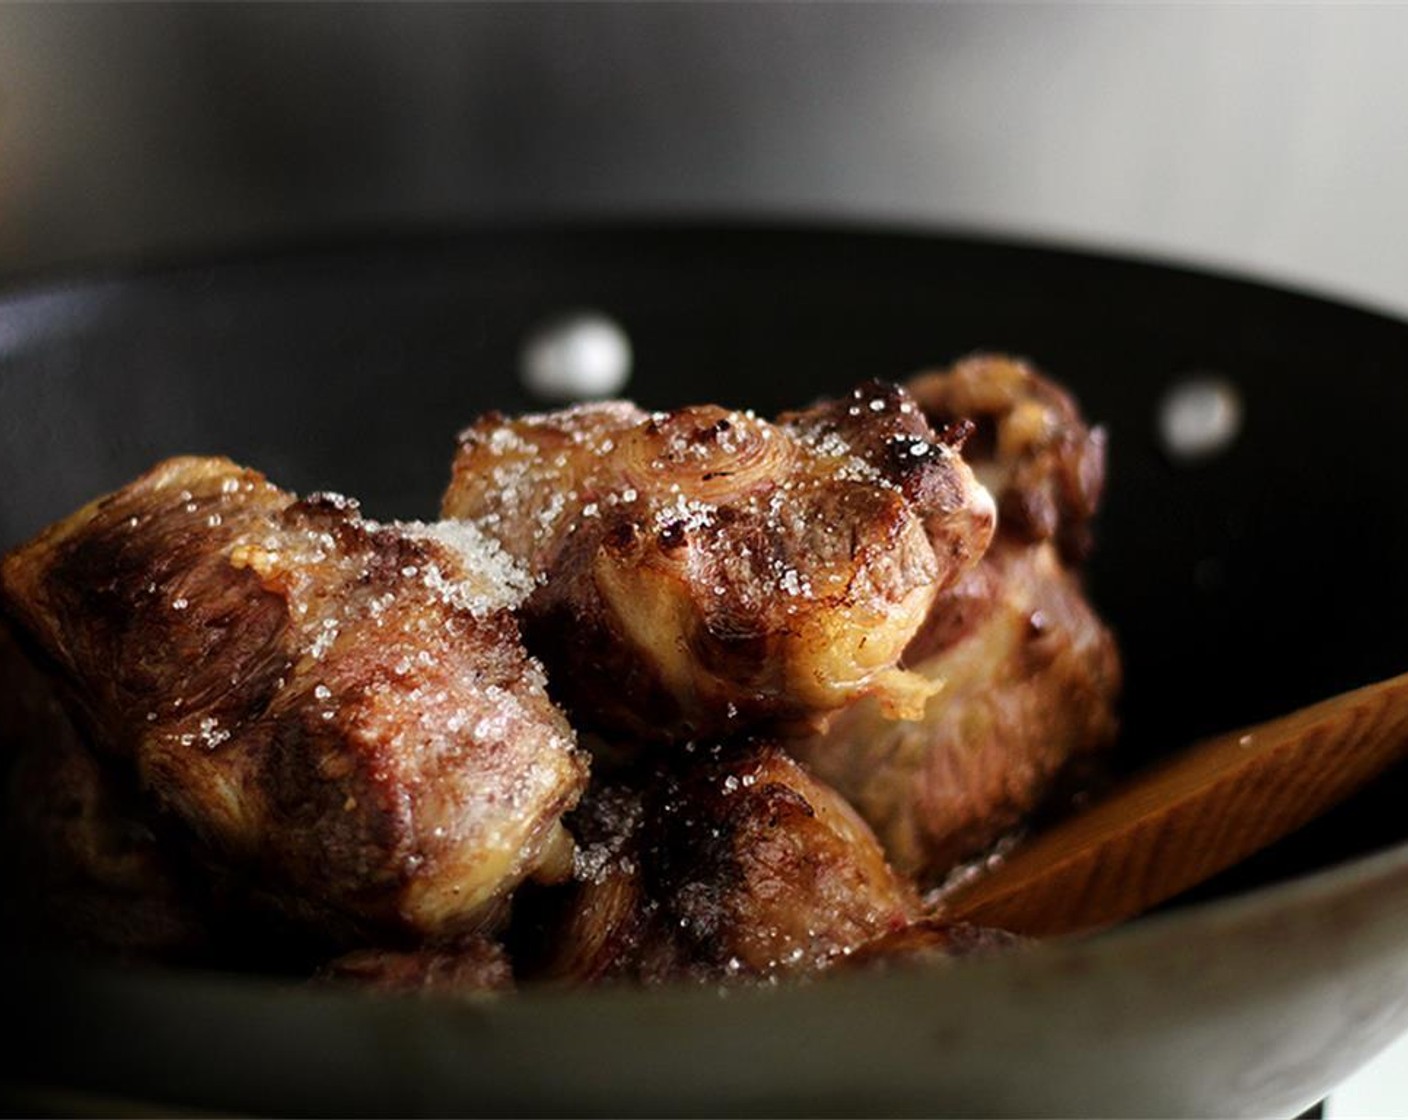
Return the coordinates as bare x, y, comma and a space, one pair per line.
663, 697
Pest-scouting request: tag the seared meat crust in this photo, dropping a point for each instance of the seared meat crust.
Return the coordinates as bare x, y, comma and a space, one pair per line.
767, 869
1029, 673
340, 708
704, 571
726, 864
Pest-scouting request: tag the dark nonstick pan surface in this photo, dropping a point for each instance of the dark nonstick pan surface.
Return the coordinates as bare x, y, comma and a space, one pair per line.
1241, 585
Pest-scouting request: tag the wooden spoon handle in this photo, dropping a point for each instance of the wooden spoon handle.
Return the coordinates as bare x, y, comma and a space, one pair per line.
1190, 817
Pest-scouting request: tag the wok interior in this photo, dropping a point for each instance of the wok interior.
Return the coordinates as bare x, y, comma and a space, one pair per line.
1240, 586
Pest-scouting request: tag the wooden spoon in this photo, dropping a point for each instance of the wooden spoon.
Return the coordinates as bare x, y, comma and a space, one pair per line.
1190, 817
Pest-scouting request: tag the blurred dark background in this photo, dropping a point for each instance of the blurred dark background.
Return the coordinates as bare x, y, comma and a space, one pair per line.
1269, 138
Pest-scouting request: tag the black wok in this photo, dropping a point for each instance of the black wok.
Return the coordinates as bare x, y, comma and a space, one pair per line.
1241, 585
